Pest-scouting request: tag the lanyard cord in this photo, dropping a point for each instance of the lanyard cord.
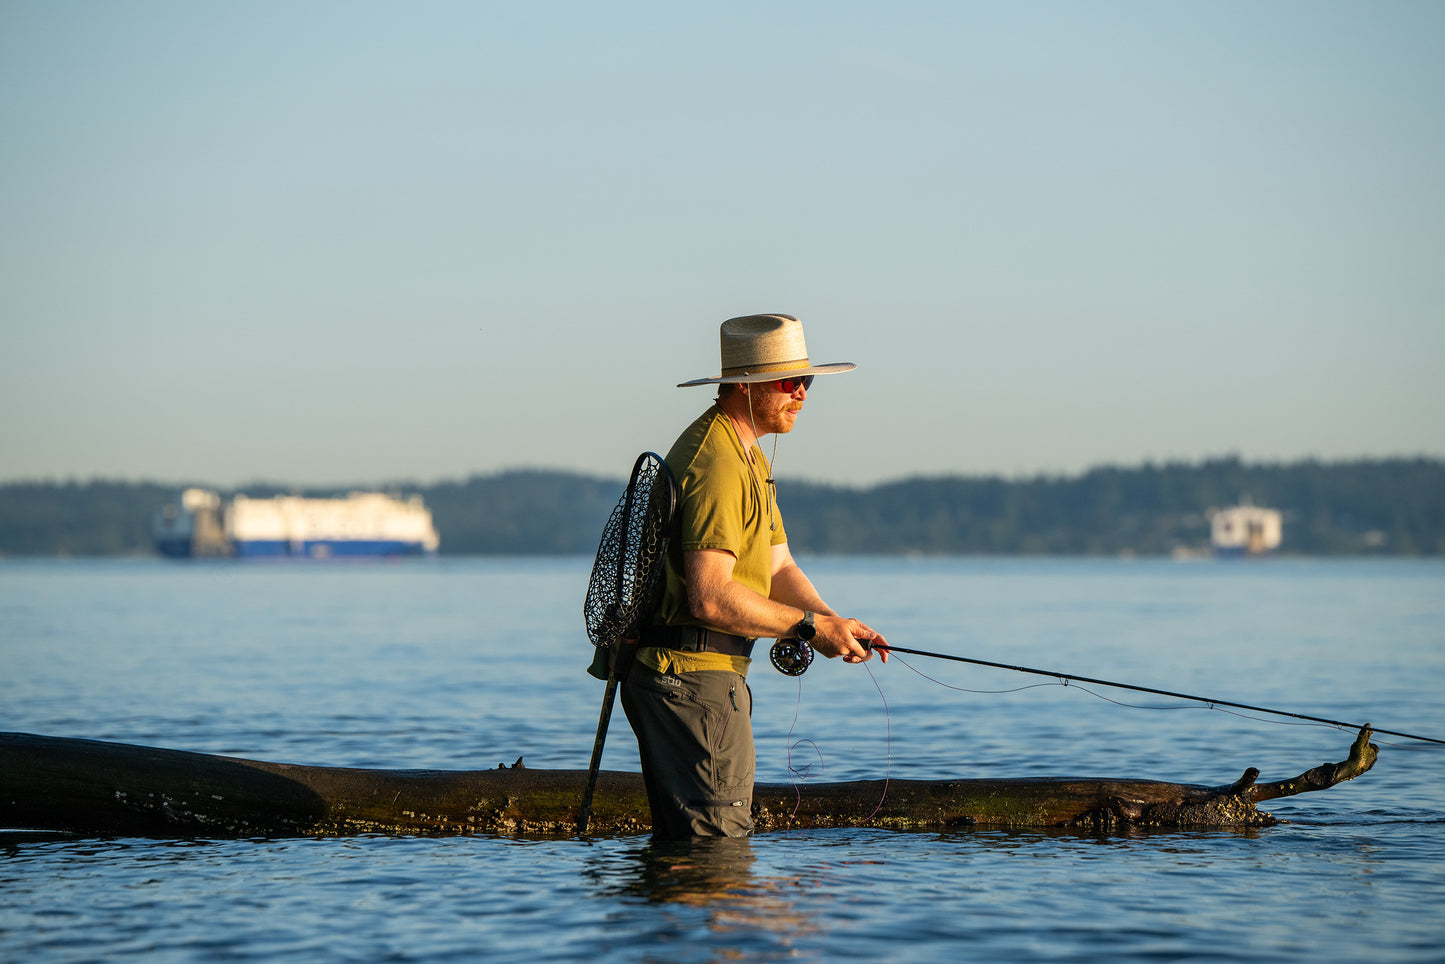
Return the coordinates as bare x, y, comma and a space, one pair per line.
770, 487
767, 489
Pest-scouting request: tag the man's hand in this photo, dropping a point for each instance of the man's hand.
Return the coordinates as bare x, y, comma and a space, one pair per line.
840, 636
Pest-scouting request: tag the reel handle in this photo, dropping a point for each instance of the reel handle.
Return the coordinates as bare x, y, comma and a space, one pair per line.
791, 656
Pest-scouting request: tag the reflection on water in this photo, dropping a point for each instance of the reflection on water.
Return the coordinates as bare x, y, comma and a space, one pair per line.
715, 874
696, 871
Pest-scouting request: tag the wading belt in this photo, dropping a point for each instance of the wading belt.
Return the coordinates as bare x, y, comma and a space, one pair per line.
697, 639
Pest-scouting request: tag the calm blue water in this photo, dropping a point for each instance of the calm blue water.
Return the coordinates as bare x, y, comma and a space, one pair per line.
472, 663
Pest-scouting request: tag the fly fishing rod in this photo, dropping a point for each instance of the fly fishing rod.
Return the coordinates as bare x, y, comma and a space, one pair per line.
1069, 677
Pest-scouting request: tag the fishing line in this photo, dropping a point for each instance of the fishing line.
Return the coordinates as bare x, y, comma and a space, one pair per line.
1083, 689
1245, 716
1066, 679
964, 689
1139, 706
807, 771
795, 773
888, 742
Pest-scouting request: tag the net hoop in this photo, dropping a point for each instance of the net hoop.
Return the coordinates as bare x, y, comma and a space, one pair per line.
626, 582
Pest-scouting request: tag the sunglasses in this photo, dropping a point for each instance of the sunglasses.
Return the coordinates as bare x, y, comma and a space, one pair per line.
790, 385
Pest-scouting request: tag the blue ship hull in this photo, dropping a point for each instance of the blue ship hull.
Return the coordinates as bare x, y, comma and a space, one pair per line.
326, 549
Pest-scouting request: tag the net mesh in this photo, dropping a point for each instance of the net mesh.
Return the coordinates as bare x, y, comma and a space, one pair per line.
627, 573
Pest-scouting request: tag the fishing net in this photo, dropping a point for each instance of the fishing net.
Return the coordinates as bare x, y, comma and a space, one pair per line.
627, 573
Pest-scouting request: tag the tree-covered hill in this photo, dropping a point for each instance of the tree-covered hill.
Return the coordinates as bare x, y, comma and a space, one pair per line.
1382, 506
1392, 506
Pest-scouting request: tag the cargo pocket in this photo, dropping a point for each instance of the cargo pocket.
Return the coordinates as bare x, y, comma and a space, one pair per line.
732, 746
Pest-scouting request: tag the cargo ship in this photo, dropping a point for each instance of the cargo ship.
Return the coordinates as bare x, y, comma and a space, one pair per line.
362, 525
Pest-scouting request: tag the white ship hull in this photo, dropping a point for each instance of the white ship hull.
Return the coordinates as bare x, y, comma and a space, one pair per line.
364, 525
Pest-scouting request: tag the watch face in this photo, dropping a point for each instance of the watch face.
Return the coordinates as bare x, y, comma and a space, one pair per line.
805, 629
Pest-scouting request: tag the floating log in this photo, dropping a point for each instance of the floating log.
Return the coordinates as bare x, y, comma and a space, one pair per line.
90, 787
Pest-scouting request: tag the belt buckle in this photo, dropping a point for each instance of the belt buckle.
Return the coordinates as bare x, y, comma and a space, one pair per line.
704, 640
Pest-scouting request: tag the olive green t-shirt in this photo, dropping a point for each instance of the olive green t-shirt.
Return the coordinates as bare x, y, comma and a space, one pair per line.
725, 503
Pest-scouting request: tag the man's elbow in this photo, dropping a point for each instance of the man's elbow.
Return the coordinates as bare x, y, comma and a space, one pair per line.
705, 607
702, 610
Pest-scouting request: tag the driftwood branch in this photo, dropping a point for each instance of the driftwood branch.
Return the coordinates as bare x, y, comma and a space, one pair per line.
1362, 756
91, 787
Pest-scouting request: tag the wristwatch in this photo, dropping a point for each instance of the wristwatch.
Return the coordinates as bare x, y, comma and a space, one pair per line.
806, 629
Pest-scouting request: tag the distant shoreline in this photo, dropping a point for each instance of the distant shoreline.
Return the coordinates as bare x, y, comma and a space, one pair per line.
1366, 507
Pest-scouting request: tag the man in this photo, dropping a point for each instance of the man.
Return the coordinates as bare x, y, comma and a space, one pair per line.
730, 579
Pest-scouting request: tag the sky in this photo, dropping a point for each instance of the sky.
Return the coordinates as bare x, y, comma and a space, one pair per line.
336, 243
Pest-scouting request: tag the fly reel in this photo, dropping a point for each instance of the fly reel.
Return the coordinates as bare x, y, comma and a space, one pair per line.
791, 656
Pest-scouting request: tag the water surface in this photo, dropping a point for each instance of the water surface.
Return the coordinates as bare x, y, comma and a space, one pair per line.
471, 663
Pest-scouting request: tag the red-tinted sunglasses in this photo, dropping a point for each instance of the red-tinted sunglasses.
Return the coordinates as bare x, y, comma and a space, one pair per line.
790, 385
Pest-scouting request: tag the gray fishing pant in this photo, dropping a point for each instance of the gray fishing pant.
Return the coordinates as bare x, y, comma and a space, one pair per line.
695, 735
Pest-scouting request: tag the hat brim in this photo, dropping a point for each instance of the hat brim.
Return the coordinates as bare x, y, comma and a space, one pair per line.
753, 378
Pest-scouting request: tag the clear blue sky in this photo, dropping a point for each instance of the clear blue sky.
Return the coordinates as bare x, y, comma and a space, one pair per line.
363, 242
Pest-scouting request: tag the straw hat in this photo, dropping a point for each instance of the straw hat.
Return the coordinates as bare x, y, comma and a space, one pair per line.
760, 348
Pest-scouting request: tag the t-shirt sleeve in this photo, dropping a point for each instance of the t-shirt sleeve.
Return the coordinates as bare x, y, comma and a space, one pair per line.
712, 508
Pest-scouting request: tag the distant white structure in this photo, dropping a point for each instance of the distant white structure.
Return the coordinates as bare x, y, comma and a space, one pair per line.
1245, 530
362, 525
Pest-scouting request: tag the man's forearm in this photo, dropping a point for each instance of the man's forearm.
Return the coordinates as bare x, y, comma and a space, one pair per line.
734, 608
718, 601
792, 587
